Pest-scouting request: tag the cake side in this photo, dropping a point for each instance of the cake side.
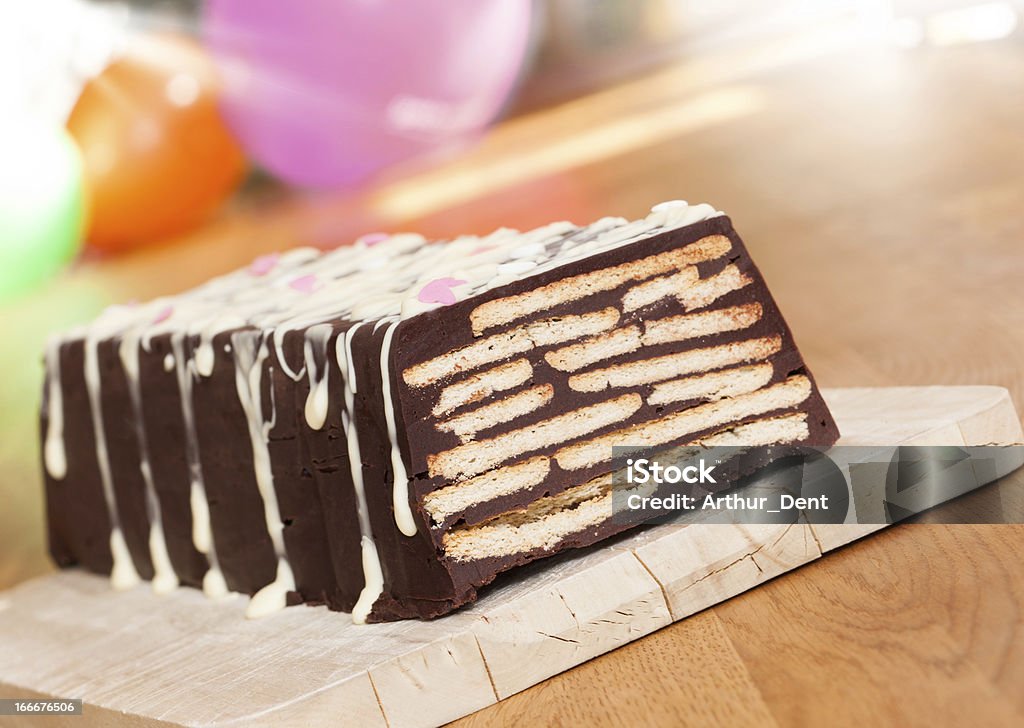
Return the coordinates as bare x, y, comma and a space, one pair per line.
514, 399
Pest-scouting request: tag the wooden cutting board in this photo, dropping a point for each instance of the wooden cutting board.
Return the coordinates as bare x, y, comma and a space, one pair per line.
140, 659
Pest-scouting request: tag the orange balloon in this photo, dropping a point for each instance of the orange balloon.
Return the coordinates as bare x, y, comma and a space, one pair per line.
158, 157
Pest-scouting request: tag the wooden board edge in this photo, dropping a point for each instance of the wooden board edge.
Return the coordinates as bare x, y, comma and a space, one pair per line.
554, 629
504, 652
992, 419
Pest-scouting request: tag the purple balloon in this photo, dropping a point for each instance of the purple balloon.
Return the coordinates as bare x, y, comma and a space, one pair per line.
326, 92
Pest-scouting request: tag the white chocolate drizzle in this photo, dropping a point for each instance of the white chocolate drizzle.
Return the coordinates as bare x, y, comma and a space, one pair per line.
202, 534
54, 455
273, 596
400, 487
250, 354
318, 370
165, 579
373, 576
123, 574
214, 585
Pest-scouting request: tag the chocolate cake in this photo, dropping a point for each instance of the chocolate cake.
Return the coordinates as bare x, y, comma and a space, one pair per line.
387, 426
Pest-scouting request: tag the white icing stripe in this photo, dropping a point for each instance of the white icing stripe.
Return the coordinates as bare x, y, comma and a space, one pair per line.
314, 351
54, 455
165, 579
373, 576
279, 336
273, 597
123, 574
214, 585
400, 488
202, 534
222, 319
249, 356
204, 357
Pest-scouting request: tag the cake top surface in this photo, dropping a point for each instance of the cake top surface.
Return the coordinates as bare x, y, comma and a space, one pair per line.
378, 277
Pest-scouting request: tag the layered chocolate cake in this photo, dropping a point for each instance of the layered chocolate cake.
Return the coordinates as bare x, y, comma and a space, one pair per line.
387, 426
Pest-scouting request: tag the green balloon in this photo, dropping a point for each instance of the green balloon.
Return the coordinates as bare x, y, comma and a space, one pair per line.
42, 205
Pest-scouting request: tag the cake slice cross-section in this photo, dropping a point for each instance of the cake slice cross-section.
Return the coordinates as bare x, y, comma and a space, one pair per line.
386, 427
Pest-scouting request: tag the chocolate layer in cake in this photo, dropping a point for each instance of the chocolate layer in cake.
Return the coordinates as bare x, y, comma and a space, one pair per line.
386, 427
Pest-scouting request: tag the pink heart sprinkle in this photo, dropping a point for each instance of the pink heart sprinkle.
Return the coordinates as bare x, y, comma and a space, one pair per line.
264, 264
164, 314
371, 239
439, 291
304, 284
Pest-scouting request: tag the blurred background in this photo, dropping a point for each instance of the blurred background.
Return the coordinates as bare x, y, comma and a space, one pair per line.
870, 151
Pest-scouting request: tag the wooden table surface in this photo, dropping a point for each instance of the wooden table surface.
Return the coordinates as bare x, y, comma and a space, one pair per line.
881, 190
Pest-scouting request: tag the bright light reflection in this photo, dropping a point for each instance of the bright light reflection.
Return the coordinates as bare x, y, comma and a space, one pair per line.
972, 24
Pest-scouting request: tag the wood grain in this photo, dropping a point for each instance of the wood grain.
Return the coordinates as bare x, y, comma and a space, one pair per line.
879, 190
185, 660
918, 671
